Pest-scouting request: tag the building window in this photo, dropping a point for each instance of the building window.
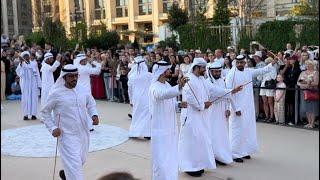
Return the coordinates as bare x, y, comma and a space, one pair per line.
124, 27
148, 29
99, 9
166, 4
145, 7
24, 23
10, 12
10, 21
78, 4
122, 8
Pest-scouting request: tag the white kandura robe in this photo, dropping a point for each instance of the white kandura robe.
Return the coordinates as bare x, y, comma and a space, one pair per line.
74, 107
164, 132
84, 79
30, 83
47, 80
138, 90
219, 125
195, 147
242, 129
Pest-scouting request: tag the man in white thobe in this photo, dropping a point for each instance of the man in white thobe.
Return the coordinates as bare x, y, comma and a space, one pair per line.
138, 89
195, 147
71, 107
86, 69
242, 123
164, 131
30, 83
47, 79
219, 114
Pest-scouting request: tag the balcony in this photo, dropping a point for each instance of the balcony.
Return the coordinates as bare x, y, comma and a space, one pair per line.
143, 18
120, 20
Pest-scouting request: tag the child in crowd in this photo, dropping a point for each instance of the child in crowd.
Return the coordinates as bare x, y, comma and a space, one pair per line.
15, 89
279, 99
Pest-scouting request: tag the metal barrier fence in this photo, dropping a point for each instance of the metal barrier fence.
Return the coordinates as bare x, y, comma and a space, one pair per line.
297, 100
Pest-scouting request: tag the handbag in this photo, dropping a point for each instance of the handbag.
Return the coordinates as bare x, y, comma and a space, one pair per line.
311, 95
270, 84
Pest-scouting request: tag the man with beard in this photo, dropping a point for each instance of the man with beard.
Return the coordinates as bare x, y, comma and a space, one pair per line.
242, 124
219, 114
195, 130
71, 107
164, 131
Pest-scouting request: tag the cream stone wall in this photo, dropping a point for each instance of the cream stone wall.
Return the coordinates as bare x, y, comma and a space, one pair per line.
270, 9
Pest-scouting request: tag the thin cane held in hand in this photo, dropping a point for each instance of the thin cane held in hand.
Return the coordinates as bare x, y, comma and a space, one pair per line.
230, 92
55, 157
193, 93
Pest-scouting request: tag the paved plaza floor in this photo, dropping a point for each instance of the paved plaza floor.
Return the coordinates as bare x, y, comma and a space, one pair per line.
285, 153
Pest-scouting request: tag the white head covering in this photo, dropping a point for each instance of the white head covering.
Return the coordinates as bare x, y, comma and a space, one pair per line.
213, 66
159, 68
258, 53
24, 53
79, 57
240, 57
67, 69
198, 62
47, 56
139, 66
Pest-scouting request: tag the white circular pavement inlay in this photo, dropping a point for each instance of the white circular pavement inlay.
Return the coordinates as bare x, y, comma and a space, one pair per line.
36, 141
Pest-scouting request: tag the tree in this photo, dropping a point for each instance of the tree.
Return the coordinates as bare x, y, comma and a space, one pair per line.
306, 9
221, 16
54, 33
246, 9
170, 42
105, 40
177, 16
135, 44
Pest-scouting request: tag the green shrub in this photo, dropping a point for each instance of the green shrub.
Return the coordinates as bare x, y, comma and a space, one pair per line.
105, 40
170, 42
275, 34
202, 37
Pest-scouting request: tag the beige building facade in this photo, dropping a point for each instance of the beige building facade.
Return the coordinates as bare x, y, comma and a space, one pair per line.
15, 17
132, 19
144, 20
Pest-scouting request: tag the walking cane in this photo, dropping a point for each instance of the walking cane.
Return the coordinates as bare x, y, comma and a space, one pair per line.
229, 92
185, 120
55, 157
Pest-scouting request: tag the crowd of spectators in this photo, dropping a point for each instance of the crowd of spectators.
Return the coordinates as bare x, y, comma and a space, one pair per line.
275, 92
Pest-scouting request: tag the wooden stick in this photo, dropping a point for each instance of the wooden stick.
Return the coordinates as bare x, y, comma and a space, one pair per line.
193, 93
55, 157
229, 92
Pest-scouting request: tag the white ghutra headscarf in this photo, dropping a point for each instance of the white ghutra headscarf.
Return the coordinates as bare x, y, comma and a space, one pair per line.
159, 68
67, 69
139, 66
216, 66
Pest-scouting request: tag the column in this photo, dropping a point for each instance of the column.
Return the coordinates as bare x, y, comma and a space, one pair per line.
15, 17
132, 6
5, 17
109, 14
34, 14
65, 14
88, 14
271, 9
155, 20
